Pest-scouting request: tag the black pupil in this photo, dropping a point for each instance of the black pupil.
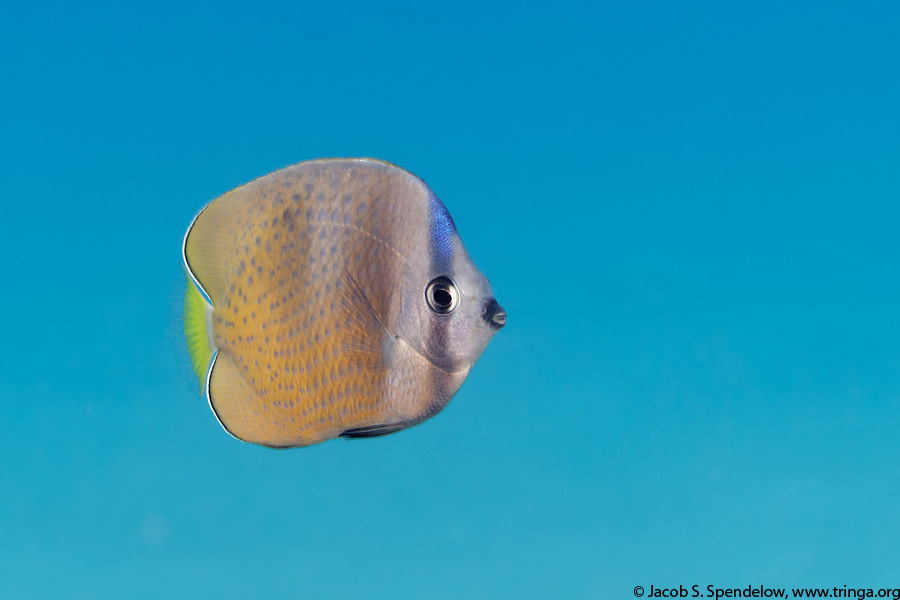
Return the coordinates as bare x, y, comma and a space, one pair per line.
442, 297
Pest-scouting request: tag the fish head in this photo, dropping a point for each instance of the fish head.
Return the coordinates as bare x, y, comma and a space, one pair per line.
448, 310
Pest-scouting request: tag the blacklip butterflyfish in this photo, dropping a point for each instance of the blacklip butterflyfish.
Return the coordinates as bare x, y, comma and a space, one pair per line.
333, 298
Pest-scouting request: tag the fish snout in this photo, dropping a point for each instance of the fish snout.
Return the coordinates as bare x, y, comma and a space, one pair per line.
494, 314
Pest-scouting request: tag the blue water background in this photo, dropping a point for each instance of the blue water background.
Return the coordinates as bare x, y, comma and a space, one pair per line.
690, 211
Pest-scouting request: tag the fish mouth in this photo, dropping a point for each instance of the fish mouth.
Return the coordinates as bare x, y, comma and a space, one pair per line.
494, 314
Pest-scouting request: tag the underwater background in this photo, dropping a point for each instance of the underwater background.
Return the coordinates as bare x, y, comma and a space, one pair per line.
689, 210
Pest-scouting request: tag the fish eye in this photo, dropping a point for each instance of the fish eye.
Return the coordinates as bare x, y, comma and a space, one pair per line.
441, 295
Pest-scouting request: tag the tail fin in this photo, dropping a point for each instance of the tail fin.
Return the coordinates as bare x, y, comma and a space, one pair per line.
198, 330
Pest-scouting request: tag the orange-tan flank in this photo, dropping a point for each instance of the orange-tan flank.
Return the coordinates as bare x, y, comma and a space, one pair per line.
301, 267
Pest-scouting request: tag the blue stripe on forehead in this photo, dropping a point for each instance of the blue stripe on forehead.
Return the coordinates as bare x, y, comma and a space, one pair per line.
442, 229
440, 255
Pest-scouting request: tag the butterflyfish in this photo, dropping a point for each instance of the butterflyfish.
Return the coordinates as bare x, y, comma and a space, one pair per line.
332, 298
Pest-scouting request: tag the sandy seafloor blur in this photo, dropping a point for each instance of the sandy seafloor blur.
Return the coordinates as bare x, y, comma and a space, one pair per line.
690, 211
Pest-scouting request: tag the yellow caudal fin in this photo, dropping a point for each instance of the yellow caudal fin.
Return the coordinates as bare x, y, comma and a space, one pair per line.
197, 330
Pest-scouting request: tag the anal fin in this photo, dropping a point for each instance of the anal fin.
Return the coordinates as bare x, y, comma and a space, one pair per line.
242, 413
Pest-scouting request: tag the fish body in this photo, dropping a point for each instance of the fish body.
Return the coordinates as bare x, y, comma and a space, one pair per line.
332, 298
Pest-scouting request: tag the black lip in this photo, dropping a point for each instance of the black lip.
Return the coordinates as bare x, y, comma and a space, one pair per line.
494, 314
